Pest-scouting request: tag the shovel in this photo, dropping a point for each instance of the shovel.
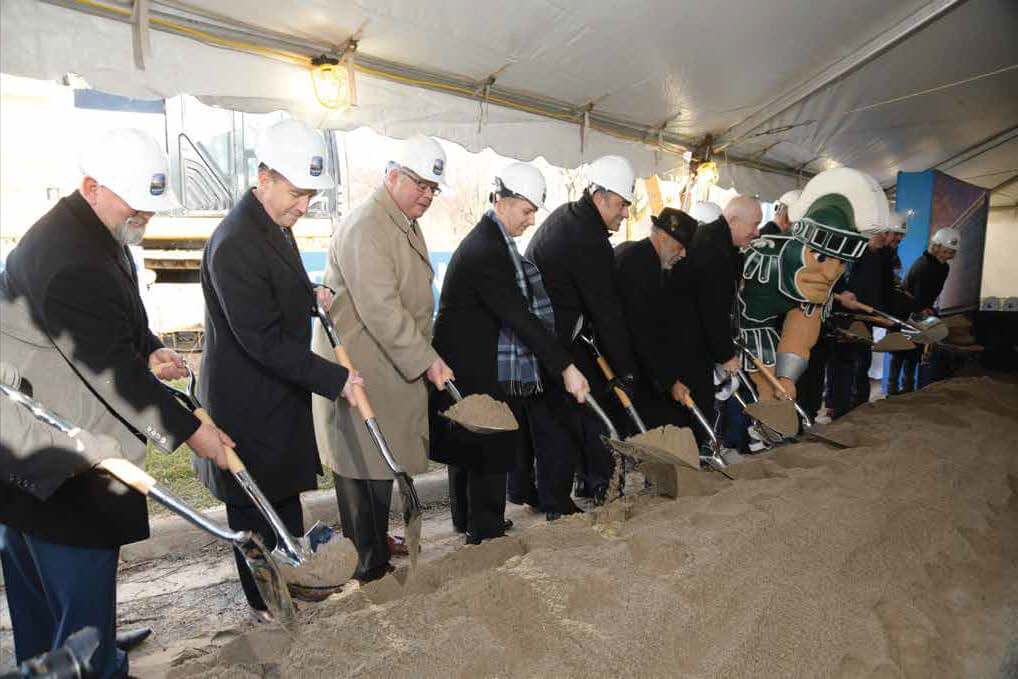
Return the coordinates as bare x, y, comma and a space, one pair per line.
474, 426
781, 426
609, 375
893, 341
714, 460
270, 582
407, 492
928, 331
618, 447
309, 579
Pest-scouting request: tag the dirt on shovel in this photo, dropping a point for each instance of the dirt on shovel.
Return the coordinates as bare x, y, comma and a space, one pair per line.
668, 444
482, 411
894, 341
778, 414
859, 329
332, 564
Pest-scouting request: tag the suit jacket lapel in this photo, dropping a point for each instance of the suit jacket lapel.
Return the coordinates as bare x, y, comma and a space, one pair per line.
276, 240
411, 230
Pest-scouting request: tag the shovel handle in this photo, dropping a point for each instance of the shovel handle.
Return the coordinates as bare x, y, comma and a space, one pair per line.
360, 396
129, 473
767, 374
609, 375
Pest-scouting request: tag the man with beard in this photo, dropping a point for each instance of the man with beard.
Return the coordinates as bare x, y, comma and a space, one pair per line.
75, 329
658, 327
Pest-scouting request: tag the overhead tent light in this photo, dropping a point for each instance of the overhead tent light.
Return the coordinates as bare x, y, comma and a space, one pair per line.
333, 82
707, 173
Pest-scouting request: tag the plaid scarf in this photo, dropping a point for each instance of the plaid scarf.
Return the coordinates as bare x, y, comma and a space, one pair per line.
518, 371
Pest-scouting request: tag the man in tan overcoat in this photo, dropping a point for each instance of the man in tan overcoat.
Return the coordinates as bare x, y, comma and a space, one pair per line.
379, 268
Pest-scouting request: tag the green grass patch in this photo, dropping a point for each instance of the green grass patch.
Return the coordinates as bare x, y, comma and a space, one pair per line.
175, 473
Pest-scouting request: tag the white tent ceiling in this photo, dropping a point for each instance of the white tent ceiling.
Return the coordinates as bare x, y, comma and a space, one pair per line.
786, 88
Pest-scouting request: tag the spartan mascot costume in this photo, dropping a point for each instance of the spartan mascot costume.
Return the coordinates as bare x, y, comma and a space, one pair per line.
788, 278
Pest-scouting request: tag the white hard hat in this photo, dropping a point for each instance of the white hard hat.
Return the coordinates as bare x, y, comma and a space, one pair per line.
424, 157
947, 237
789, 198
297, 152
132, 165
523, 180
899, 222
705, 211
615, 174
871, 211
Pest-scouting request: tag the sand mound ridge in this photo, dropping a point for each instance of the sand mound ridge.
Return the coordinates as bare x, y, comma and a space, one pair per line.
897, 559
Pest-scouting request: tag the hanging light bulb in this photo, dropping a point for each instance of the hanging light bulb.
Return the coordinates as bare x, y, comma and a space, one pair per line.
707, 173
331, 82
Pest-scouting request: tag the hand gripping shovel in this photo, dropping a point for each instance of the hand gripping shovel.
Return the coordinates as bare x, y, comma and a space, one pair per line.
779, 421
407, 493
507, 421
270, 582
317, 564
609, 375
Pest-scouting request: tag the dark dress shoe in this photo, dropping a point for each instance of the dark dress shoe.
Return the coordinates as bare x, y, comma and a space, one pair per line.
131, 639
553, 516
376, 573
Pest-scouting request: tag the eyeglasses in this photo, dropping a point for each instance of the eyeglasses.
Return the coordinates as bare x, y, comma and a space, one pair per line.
422, 186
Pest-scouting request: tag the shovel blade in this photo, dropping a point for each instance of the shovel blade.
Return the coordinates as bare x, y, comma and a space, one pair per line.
411, 515
894, 341
779, 415
822, 433
671, 445
269, 581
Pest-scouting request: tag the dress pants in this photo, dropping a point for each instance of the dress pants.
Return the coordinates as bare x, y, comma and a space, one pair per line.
904, 365
848, 379
543, 476
594, 460
55, 590
477, 501
248, 517
364, 517
809, 387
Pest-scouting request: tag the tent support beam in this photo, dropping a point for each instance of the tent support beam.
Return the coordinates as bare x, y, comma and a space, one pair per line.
976, 150
840, 69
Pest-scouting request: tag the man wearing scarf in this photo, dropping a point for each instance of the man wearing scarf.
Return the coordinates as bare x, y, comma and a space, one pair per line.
496, 328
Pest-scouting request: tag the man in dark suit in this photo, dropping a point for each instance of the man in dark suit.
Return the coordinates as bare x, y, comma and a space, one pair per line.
258, 370
659, 327
74, 326
510, 353
572, 251
715, 272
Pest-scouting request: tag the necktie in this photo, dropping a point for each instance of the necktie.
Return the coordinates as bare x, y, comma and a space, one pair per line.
288, 237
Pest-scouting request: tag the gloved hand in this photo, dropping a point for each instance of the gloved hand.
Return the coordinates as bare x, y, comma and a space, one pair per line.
626, 383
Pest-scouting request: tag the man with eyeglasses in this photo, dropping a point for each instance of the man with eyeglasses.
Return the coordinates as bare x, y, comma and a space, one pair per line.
73, 326
379, 267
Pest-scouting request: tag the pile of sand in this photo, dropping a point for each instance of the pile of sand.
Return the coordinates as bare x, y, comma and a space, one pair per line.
481, 410
897, 559
668, 444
